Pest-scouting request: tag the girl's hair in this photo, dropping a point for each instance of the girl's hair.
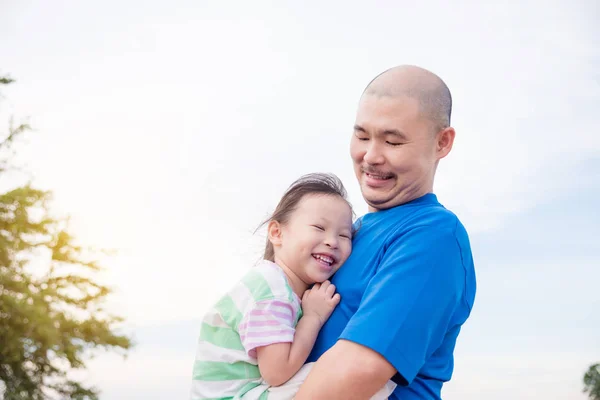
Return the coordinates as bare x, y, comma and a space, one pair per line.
316, 183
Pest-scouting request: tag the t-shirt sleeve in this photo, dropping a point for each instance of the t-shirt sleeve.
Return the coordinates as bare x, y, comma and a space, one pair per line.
407, 306
268, 322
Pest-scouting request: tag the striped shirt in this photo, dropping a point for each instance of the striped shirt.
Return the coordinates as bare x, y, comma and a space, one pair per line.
259, 311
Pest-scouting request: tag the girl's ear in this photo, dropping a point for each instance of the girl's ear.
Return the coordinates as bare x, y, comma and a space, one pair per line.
274, 232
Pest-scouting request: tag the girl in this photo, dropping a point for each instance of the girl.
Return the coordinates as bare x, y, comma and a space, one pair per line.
260, 334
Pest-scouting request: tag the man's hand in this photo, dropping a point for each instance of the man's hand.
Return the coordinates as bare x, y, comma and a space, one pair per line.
347, 371
320, 301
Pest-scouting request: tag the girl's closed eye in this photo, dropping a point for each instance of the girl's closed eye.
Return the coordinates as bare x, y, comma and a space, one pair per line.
319, 227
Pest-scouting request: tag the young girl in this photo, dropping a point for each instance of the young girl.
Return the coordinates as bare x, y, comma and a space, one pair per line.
260, 334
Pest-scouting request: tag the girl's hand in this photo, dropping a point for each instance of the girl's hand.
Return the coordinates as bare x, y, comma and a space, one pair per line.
319, 301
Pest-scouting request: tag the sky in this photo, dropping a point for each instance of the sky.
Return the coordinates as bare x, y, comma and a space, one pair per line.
169, 130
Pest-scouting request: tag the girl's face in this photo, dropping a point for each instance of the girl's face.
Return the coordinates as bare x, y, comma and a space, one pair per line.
317, 238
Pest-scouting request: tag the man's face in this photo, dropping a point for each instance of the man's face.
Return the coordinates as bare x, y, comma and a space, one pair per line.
394, 150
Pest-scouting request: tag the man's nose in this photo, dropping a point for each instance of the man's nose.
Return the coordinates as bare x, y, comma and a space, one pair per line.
373, 155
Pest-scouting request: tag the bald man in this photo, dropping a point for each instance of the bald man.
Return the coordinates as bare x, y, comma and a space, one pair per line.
409, 285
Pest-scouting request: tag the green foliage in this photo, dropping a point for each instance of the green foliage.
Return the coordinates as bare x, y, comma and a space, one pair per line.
591, 382
51, 315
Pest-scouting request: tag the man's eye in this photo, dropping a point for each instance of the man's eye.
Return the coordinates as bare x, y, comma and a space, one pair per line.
394, 144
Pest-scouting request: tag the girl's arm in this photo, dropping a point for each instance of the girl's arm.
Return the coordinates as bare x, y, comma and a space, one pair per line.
279, 362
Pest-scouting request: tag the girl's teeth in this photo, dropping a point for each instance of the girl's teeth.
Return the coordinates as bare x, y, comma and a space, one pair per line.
324, 258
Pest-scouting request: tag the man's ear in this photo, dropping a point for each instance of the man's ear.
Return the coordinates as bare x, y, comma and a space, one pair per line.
274, 233
445, 140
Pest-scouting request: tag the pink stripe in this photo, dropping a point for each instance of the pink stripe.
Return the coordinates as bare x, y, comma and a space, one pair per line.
274, 333
270, 322
269, 304
293, 310
278, 303
252, 334
284, 316
254, 324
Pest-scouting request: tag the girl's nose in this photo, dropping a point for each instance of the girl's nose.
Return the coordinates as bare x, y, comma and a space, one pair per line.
332, 241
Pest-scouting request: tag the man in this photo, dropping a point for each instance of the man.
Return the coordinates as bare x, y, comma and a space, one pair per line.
409, 284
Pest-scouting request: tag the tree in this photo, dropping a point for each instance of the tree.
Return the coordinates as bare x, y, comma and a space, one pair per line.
51, 315
591, 381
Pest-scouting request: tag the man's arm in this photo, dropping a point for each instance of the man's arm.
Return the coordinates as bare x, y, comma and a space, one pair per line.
346, 371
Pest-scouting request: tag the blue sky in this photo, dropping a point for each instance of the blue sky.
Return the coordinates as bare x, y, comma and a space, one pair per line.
169, 131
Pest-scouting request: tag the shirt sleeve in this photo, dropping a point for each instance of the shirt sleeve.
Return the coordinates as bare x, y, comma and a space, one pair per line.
408, 304
268, 322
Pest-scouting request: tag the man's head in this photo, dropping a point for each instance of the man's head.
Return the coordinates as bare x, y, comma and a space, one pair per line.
401, 132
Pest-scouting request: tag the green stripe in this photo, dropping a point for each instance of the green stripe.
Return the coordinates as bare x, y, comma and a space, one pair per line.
246, 388
220, 398
222, 337
229, 312
222, 371
290, 292
292, 300
258, 286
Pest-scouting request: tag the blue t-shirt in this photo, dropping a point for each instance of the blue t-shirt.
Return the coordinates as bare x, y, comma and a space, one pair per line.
406, 290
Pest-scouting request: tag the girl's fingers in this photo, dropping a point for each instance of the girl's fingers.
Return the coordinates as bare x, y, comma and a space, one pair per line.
330, 291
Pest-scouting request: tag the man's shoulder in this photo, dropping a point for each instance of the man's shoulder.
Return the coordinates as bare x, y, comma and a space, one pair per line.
433, 228
434, 219
399, 224
441, 224
435, 214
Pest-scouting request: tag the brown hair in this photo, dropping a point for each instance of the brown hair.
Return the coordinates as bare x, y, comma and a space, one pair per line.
315, 183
